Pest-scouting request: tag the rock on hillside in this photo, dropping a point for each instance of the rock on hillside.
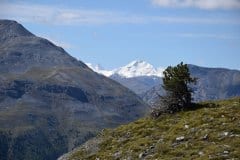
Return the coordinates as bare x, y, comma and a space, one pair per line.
211, 131
49, 101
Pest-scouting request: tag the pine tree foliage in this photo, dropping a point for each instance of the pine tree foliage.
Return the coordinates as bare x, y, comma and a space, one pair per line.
176, 82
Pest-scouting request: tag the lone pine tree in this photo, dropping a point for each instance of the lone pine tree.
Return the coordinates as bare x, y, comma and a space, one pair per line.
176, 82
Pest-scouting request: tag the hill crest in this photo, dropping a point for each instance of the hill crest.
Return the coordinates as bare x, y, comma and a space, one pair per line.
209, 132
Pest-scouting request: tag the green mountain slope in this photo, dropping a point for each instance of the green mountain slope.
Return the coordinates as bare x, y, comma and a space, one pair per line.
211, 131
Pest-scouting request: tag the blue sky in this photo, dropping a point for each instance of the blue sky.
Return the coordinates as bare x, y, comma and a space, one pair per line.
114, 32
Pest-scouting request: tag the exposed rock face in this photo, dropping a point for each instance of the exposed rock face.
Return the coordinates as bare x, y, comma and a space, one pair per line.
49, 101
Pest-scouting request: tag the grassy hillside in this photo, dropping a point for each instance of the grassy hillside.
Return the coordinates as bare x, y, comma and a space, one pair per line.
211, 131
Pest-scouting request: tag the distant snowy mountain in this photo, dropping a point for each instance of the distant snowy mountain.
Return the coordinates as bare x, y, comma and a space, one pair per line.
99, 69
137, 68
139, 76
146, 81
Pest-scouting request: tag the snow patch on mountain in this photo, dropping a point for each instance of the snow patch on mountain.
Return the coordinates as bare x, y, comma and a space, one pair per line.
136, 68
139, 68
99, 69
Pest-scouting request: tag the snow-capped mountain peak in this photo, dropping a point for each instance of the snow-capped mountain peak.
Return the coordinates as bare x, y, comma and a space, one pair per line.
138, 68
135, 68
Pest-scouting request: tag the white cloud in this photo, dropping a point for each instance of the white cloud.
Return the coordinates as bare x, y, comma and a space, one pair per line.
202, 4
208, 35
193, 20
62, 16
55, 15
60, 43
56, 41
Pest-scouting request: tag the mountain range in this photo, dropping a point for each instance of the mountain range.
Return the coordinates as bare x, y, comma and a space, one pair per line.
51, 102
146, 81
136, 68
138, 75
